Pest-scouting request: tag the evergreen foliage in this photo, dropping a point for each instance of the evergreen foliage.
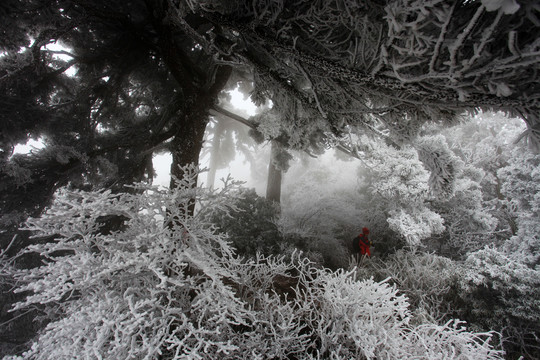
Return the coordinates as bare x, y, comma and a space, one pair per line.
168, 285
392, 63
125, 97
251, 226
430, 282
502, 292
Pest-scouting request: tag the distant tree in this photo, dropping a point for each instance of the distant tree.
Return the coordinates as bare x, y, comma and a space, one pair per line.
221, 148
320, 204
226, 137
261, 129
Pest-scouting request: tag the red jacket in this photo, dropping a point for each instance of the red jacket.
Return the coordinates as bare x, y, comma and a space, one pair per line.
361, 243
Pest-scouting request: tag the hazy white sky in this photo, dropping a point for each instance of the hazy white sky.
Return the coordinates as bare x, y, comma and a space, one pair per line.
29, 146
238, 168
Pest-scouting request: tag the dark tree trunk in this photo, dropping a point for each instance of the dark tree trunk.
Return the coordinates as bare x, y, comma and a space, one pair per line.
188, 141
199, 83
273, 187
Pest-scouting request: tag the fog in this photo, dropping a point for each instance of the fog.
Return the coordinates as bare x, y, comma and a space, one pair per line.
253, 172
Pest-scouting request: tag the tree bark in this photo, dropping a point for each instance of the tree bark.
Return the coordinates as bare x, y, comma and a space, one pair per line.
273, 187
188, 141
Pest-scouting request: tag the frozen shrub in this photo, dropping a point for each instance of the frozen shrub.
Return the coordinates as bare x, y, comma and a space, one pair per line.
429, 281
167, 285
397, 189
503, 293
250, 226
521, 188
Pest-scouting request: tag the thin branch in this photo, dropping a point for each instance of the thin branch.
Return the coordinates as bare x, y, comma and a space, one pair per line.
345, 150
440, 40
233, 116
61, 52
323, 114
365, 111
485, 38
15, 317
459, 41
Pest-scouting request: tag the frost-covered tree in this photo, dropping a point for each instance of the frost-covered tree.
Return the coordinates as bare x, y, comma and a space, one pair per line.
457, 196
476, 210
493, 204
501, 292
137, 83
521, 187
104, 84
395, 186
167, 285
396, 62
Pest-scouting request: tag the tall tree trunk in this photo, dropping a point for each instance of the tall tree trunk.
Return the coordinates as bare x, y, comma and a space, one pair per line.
214, 152
273, 187
198, 82
188, 141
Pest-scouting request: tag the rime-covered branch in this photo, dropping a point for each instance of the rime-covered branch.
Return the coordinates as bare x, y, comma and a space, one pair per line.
444, 55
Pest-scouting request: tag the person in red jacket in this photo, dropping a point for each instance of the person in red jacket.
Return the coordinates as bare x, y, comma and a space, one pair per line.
361, 243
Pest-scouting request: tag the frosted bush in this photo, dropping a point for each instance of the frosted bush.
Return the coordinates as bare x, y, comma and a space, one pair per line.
428, 280
415, 224
515, 284
504, 294
448, 341
436, 156
399, 187
521, 187
166, 285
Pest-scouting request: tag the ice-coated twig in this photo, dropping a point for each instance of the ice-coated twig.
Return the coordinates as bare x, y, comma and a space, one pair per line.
313, 90
437, 48
454, 48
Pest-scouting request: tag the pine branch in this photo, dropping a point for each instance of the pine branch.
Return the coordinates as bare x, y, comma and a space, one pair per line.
454, 48
442, 34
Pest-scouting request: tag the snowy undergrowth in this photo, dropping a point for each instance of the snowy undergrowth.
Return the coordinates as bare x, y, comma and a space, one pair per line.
429, 281
166, 284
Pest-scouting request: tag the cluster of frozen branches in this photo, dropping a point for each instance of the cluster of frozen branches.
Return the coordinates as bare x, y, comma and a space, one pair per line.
397, 63
164, 284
